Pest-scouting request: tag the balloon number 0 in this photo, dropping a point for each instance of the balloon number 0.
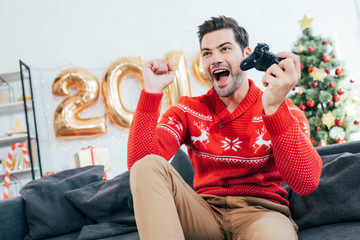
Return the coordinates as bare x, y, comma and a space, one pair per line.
67, 123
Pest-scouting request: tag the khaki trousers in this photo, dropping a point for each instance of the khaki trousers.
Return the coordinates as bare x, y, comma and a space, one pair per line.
167, 208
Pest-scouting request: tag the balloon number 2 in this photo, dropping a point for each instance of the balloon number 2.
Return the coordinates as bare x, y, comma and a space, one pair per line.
67, 122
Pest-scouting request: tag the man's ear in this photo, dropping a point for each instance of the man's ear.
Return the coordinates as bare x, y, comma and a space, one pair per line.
247, 52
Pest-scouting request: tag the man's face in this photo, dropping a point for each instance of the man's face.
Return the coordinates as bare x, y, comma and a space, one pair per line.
221, 58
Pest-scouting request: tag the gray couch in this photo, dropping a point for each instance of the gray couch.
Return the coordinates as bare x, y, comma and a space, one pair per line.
76, 204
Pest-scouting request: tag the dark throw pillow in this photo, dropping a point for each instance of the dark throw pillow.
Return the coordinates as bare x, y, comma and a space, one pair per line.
105, 201
181, 163
48, 212
337, 197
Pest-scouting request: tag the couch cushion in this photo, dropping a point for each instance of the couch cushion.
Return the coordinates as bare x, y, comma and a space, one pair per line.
127, 236
48, 212
345, 230
105, 230
105, 201
12, 219
336, 199
181, 163
73, 235
351, 147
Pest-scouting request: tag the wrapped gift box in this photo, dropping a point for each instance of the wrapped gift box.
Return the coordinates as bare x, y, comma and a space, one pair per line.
93, 156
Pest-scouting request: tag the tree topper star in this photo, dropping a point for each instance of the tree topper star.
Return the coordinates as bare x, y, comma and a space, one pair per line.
305, 23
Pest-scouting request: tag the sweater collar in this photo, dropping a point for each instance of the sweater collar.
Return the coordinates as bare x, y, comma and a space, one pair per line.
223, 113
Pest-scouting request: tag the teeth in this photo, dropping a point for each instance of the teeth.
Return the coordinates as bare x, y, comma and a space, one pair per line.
219, 71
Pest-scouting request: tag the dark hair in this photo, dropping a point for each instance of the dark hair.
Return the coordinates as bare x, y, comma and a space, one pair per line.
221, 22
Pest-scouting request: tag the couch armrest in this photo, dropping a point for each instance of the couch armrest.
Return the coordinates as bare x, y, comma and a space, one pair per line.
351, 147
13, 219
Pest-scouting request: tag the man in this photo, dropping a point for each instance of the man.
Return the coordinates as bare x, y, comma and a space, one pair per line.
242, 143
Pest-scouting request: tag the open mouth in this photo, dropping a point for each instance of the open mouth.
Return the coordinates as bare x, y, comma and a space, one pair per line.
221, 75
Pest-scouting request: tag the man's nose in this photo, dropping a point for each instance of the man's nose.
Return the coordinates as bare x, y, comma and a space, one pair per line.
216, 58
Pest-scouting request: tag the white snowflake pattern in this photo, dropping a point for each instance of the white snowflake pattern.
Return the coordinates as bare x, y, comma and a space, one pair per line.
231, 144
175, 122
306, 128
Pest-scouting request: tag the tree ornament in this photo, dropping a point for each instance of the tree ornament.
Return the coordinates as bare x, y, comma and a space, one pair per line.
355, 99
310, 103
338, 71
302, 107
336, 98
342, 67
340, 140
325, 98
301, 49
326, 58
322, 144
305, 23
328, 120
339, 122
318, 74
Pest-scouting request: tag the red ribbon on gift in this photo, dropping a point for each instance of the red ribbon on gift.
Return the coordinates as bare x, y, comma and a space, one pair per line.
92, 154
92, 158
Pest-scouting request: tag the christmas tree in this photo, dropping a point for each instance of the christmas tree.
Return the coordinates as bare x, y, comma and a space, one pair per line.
325, 93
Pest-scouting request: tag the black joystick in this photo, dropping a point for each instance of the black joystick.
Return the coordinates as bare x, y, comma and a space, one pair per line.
261, 58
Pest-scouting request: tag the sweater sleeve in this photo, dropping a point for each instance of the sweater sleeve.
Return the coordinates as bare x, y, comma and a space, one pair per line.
296, 159
146, 135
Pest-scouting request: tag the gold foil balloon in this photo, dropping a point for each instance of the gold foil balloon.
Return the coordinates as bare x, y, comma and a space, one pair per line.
181, 85
199, 70
111, 84
66, 120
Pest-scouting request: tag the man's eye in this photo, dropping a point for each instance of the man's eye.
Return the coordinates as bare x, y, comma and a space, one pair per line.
205, 54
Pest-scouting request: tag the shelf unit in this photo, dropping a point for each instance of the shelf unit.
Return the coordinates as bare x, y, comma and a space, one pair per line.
13, 107
7, 141
24, 75
25, 170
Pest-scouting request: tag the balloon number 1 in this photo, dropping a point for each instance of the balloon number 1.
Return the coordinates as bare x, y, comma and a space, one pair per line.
67, 122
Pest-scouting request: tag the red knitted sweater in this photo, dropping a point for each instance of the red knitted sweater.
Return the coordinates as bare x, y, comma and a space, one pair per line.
243, 153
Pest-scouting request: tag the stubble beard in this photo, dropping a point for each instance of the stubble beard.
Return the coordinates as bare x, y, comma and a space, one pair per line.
236, 78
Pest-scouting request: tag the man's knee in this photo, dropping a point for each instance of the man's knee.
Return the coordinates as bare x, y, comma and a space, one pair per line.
274, 226
146, 168
147, 164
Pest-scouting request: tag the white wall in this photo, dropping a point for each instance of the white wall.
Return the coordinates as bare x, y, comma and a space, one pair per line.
51, 36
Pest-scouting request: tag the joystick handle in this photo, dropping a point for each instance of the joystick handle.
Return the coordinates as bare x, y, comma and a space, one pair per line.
261, 58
